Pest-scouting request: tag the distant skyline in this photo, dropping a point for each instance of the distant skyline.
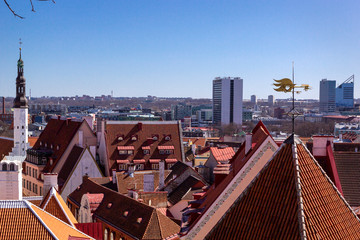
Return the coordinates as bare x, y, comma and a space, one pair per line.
176, 48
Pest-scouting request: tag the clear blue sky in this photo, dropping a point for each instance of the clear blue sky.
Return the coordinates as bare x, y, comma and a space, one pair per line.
176, 48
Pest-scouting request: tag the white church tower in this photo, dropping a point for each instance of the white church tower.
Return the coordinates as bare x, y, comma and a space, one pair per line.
11, 166
20, 113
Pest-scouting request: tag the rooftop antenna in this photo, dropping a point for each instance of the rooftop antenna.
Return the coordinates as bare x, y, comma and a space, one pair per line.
286, 85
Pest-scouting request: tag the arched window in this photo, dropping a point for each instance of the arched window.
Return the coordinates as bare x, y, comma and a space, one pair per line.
4, 167
12, 167
106, 234
112, 236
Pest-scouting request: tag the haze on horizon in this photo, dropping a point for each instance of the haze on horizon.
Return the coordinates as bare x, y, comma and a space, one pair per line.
176, 48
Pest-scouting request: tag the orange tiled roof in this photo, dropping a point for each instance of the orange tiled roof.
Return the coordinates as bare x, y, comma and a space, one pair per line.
292, 197
54, 204
222, 154
23, 220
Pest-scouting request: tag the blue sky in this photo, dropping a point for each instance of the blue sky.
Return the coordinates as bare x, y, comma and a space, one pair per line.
176, 48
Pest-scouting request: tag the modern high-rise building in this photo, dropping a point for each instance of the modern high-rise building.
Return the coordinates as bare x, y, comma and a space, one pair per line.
271, 100
327, 95
345, 94
253, 99
227, 100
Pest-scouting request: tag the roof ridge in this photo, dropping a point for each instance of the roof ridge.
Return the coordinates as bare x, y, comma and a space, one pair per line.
58, 220
301, 212
38, 217
329, 180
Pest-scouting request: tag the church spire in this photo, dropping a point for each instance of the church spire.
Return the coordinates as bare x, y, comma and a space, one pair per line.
20, 100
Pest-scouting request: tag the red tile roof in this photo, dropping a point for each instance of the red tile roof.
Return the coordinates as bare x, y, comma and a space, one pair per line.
291, 198
94, 230
222, 154
348, 167
143, 131
259, 135
153, 224
6, 145
57, 133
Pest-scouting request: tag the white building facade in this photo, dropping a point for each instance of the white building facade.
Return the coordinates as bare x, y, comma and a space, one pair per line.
227, 100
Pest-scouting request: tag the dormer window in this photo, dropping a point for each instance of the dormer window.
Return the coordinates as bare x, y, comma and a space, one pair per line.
125, 150
155, 137
146, 151
167, 137
166, 149
120, 138
134, 138
139, 220
57, 147
45, 144
51, 146
40, 143
126, 213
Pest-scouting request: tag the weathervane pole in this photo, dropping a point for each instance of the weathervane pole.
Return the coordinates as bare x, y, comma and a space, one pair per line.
293, 100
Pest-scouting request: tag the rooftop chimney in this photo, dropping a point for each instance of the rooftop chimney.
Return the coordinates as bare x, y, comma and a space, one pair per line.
140, 126
319, 145
161, 174
248, 142
50, 180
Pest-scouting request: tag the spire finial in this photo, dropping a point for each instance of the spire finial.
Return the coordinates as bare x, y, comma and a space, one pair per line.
20, 43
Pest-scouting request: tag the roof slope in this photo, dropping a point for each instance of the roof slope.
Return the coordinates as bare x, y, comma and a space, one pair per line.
191, 183
23, 220
6, 145
291, 198
348, 166
139, 217
54, 204
259, 135
222, 154
144, 132
69, 164
57, 133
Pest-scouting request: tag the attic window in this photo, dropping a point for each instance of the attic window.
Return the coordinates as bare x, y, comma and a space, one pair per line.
126, 213
155, 137
134, 138
40, 143
139, 220
146, 151
109, 205
45, 144
57, 147
51, 146
168, 138
120, 138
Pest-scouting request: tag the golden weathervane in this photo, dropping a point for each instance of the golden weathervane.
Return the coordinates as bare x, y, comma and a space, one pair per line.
287, 85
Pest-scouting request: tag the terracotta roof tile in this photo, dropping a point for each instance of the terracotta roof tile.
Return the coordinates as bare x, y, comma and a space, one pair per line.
270, 207
259, 135
125, 181
54, 204
348, 167
143, 131
23, 220
222, 154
